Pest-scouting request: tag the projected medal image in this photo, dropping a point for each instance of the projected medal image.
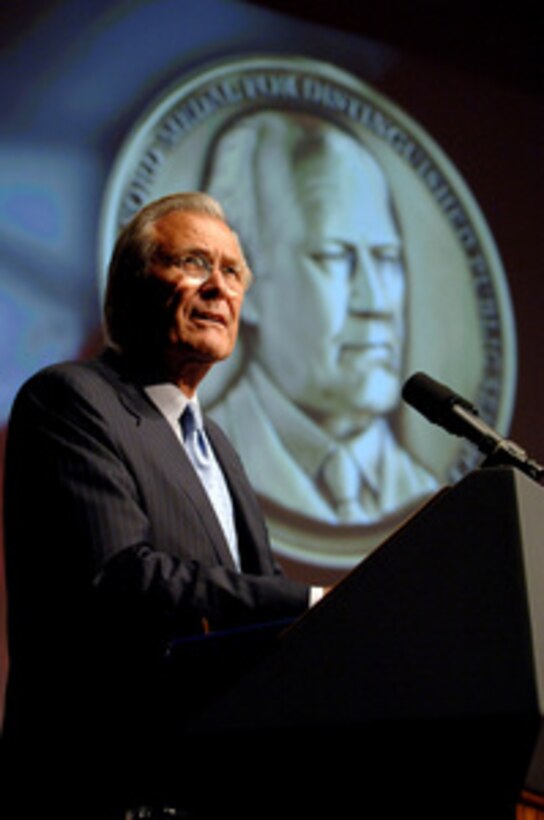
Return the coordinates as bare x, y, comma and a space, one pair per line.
370, 259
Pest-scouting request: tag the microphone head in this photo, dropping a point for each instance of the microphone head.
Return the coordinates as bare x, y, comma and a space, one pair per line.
434, 400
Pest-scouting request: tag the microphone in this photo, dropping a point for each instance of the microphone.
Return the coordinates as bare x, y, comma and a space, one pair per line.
442, 406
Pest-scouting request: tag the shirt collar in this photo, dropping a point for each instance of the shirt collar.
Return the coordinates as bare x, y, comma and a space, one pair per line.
171, 402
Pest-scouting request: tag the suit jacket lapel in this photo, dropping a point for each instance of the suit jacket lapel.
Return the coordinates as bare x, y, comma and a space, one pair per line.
174, 459
243, 499
161, 445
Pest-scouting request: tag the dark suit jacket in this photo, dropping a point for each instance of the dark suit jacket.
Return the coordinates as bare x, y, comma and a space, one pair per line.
112, 549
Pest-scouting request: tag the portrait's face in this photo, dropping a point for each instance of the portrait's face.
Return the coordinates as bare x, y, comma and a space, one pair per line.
199, 318
331, 288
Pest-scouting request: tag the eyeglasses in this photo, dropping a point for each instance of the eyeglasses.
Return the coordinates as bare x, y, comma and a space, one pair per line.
198, 269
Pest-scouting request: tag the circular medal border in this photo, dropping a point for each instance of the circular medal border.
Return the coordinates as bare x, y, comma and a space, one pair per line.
353, 537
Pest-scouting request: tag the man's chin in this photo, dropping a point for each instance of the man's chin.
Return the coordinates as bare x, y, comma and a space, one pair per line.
185, 356
212, 343
360, 400
380, 391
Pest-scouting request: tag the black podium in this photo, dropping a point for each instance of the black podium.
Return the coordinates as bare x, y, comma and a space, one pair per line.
416, 686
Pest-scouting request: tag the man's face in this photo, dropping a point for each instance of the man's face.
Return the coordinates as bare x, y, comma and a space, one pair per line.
199, 323
331, 296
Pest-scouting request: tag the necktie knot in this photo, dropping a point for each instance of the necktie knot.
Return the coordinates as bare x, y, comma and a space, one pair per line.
189, 421
193, 432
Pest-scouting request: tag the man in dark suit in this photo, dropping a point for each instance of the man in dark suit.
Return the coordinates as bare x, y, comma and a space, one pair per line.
115, 544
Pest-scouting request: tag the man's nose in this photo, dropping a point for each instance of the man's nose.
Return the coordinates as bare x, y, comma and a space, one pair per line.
368, 288
215, 281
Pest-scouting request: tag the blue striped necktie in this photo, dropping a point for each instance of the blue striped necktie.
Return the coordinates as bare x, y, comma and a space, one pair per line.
201, 454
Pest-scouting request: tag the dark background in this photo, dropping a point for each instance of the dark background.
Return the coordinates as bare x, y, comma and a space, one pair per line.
503, 42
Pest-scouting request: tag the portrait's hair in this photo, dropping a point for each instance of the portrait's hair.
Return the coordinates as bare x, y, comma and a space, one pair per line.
265, 148
126, 308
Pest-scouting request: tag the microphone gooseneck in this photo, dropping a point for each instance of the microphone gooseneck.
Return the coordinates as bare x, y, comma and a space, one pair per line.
442, 406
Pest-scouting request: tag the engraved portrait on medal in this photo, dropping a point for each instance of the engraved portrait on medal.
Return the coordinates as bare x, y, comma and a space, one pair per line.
371, 260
